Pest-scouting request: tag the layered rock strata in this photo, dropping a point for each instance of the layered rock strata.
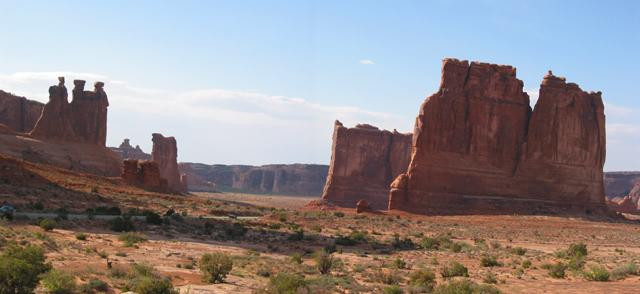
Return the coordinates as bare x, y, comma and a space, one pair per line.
143, 173
19, 114
478, 147
165, 153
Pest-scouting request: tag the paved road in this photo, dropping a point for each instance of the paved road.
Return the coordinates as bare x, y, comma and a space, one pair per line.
35, 215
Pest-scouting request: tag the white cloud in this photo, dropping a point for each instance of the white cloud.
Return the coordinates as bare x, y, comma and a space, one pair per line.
367, 62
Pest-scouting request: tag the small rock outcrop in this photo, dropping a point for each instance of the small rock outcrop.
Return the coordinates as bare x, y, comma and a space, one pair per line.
17, 113
364, 161
144, 174
363, 206
84, 120
126, 151
165, 153
479, 148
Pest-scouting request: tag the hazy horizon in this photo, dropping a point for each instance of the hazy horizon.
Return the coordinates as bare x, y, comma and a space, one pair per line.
257, 82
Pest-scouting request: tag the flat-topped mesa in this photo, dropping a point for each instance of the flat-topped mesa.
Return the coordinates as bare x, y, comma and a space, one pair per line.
165, 153
84, 120
364, 161
478, 147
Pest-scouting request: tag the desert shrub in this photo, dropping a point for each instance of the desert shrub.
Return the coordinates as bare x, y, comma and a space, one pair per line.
576, 263
423, 279
456, 247
153, 285
236, 230
48, 224
324, 262
153, 218
399, 263
58, 282
518, 250
215, 267
103, 210
94, 286
298, 235
465, 286
130, 239
122, 224
597, 273
330, 248
526, 264
285, 283
388, 277
556, 270
402, 243
20, 269
263, 272
338, 214
489, 261
61, 213
577, 250
454, 269
624, 270
296, 258
394, 289
490, 278
81, 236
429, 243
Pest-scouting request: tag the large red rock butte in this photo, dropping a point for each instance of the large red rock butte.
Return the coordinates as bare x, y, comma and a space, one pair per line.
84, 120
478, 147
19, 114
364, 161
165, 153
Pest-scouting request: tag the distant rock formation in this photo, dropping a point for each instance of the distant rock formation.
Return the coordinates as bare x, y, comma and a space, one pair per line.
364, 161
165, 153
84, 120
478, 147
281, 179
126, 151
19, 114
145, 174
620, 184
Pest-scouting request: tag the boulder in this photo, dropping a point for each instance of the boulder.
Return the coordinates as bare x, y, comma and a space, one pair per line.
364, 161
479, 148
165, 153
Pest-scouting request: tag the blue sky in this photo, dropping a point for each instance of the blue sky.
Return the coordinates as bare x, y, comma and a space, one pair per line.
259, 82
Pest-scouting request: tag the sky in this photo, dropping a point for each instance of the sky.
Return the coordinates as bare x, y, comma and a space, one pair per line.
260, 82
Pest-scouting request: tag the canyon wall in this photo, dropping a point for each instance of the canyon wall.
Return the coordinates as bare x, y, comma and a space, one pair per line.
19, 114
364, 161
478, 147
620, 184
165, 154
281, 179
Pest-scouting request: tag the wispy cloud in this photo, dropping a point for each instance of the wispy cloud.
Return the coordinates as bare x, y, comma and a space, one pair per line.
367, 62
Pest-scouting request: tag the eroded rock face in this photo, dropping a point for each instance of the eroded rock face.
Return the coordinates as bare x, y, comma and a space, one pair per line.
143, 173
362, 206
126, 151
478, 147
84, 120
620, 184
281, 179
19, 114
165, 153
364, 161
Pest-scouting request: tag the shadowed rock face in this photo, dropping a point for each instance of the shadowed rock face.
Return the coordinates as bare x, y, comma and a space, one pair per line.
281, 179
19, 113
126, 151
478, 147
165, 153
84, 120
364, 161
143, 173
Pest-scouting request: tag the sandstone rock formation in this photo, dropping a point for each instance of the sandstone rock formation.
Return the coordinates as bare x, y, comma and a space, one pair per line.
478, 147
362, 206
364, 161
281, 179
165, 153
620, 184
84, 120
19, 113
126, 151
145, 174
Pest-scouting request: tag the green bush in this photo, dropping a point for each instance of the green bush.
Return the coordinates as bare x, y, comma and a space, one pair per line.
556, 270
526, 264
296, 258
81, 236
597, 273
20, 269
130, 239
429, 243
394, 289
285, 283
424, 279
624, 270
577, 250
48, 224
399, 263
152, 217
576, 263
215, 267
58, 282
338, 214
298, 235
454, 269
402, 243
489, 261
490, 278
122, 224
153, 285
519, 250
465, 287
93, 286
324, 262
